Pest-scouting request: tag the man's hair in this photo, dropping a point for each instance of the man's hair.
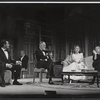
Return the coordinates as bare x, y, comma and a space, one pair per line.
22, 51
97, 47
3, 42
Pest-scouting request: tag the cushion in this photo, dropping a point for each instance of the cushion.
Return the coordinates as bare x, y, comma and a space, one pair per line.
88, 62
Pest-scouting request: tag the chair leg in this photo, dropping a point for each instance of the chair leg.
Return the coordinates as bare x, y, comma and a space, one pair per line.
26, 74
34, 77
22, 74
40, 75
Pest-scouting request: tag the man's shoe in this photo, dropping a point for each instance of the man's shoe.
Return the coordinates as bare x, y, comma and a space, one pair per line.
8, 83
3, 85
17, 83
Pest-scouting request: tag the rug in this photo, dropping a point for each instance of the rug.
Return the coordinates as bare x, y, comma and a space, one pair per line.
59, 85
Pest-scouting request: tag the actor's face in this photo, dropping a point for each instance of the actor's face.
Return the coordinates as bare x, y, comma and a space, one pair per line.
7, 45
43, 46
21, 53
97, 49
77, 49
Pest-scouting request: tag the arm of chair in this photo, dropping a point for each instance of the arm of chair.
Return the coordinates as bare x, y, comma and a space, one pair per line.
65, 63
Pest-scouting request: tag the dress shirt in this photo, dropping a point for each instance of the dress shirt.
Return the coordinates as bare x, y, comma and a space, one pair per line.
22, 57
43, 53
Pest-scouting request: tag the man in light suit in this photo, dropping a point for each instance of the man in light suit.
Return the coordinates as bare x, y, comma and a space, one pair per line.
6, 63
24, 59
44, 60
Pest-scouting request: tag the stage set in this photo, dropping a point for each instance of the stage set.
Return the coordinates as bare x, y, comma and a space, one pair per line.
61, 27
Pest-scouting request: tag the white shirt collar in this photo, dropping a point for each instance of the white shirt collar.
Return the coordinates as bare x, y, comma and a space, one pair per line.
3, 49
22, 57
5, 52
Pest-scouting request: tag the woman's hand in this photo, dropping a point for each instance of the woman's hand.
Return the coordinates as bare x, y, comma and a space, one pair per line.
79, 61
62, 62
94, 52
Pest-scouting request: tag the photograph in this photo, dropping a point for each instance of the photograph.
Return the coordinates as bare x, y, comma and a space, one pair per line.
49, 50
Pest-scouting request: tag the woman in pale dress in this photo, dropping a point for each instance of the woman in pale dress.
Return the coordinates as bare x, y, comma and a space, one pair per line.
77, 65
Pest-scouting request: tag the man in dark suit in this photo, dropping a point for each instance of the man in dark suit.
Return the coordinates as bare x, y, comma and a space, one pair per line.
96, 62
44, 60
24, 59
7, 64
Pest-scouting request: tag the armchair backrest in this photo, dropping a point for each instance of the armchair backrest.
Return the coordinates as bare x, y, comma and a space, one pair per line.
88, 61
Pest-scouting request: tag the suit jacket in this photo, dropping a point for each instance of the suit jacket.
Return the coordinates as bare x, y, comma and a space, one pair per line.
25, 61
42, 60
4, 60
40, 56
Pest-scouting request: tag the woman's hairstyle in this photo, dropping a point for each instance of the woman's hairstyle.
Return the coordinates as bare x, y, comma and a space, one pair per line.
75, 48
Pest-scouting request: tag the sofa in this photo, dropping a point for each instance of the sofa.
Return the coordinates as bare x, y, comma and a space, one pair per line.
87, 61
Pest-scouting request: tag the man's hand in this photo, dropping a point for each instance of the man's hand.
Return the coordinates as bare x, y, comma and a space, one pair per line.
9, 65
18, 63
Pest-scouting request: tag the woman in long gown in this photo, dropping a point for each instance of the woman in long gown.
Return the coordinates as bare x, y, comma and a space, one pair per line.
76, 65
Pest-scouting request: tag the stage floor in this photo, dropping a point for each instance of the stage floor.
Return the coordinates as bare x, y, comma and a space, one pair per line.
30, 89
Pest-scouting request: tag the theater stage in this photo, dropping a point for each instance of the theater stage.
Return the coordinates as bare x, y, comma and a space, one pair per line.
37, 90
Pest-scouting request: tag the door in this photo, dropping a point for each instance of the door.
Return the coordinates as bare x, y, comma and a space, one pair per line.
29, 47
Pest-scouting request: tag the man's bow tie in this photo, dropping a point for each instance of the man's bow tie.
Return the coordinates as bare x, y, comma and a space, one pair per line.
5, 50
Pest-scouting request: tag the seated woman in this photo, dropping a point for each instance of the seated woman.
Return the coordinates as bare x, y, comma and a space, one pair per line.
96, 61
76, 65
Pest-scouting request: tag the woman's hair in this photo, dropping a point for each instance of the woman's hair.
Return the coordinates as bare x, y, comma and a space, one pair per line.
75, 48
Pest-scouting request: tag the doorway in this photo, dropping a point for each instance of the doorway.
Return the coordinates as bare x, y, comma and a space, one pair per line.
30, 48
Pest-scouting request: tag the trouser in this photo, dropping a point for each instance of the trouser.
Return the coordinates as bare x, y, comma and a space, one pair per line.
15, 72
96, 65
16, 69
47, 65
50, 70
2, 70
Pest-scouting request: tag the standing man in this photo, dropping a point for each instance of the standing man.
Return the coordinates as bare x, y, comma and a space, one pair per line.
7, 64
44, 60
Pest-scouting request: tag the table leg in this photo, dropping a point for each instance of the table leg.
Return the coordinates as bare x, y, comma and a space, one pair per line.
68, 78
97, 80
62, 79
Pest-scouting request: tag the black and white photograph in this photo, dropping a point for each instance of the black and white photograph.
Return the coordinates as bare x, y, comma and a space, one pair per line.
49, 50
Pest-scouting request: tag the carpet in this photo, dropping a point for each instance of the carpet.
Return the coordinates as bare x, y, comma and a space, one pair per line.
59, 85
